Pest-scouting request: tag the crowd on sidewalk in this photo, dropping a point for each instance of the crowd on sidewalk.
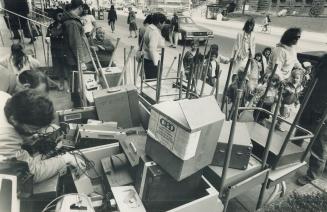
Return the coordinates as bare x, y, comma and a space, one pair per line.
74, 37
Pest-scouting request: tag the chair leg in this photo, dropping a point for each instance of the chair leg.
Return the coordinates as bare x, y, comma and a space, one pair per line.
226, 201
274, 194
283, 189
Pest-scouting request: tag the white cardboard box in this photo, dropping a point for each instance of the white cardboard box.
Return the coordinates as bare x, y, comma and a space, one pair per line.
178, 125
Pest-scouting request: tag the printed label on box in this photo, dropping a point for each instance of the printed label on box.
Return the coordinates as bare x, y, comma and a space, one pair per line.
180, 142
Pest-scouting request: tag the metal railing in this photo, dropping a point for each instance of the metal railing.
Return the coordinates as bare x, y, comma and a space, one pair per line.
29, 21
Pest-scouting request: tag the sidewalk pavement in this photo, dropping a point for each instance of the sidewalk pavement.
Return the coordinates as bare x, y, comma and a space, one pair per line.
310, 41
277, 31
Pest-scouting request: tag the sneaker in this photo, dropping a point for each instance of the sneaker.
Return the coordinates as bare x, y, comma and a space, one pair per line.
135, 36
174, 46
130, 36
303, 180
171, 45
279, 127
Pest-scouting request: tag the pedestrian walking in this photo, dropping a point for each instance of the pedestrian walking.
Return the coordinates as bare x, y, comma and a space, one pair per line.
112, 18
131, 20
244, 45
174, 31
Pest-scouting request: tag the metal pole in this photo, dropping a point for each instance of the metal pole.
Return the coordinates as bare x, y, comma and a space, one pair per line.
162, 62
80, 81
295, 122
158, 83
2, 39
179, 64
124, 78
226, 200
205, 74
101, 70
113, 53
193, 84
21, 34
272, 128
44, 51
125, 66
228, 79
241, 86
193, 66
217, 86
135, 71
181, 86
246, 70
142, 74
262, 192
171, 66
90, 53
10, 31
204, 53
230, 143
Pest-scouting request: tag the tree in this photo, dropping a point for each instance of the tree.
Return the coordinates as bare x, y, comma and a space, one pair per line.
277, 5
244, 3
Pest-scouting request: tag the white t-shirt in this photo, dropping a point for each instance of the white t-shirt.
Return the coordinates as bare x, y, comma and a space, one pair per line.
87, 22
10, 141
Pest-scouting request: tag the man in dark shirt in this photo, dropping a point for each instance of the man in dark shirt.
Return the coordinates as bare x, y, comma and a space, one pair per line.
174, 27
103, 46
75, 45
311, 116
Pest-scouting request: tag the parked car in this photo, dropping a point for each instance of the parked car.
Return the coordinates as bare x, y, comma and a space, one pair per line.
189, 30
148, 11
119, 6
134, 9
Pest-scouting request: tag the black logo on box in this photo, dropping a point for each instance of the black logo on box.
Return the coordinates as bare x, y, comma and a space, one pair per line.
167, 125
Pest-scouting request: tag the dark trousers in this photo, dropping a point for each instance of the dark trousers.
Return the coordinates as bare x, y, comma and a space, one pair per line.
319, 148
150, 70
112, 24
59, 66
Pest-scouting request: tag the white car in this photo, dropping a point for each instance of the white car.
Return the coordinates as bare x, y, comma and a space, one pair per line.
134, 9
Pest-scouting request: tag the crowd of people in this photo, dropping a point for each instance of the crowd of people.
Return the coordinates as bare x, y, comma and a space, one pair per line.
26, 110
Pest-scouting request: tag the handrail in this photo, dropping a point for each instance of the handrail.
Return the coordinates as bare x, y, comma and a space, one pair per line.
40, 14
309, 133
9, 11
